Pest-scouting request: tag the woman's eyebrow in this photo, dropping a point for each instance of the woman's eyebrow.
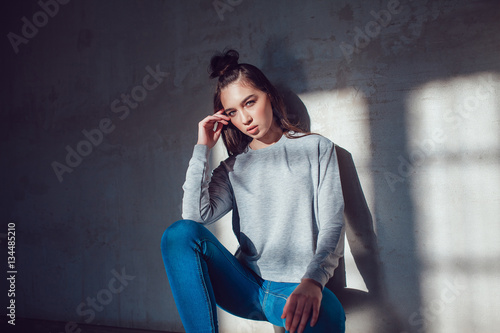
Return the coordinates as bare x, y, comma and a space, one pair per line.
247, 98
242, 103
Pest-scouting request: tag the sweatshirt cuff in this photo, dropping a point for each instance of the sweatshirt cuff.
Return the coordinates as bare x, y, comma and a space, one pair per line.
201, 152
317, 276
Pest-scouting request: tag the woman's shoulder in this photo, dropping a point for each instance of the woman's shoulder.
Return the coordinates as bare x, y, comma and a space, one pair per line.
310, 140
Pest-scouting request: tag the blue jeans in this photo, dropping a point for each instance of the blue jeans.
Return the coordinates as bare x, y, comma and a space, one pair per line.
203, 273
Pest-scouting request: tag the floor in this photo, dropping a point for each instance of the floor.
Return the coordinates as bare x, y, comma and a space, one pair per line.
45, 326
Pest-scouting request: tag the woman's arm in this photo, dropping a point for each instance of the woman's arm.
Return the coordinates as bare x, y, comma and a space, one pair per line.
206, 199
330, 216
305, 301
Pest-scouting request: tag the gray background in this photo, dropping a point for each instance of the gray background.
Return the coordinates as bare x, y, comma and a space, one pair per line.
109, 213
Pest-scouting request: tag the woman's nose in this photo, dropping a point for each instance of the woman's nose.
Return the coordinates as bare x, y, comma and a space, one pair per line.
246, 118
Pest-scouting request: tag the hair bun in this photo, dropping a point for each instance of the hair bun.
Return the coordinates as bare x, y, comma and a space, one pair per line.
222, 62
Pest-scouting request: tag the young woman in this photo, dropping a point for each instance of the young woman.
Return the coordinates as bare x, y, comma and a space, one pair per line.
283, 187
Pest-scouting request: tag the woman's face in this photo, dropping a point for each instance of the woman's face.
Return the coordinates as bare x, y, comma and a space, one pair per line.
251, 112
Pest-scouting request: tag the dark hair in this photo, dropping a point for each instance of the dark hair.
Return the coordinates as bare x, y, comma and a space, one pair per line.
226, 68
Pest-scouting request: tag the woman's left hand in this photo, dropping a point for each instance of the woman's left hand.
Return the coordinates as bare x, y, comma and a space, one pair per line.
302, 304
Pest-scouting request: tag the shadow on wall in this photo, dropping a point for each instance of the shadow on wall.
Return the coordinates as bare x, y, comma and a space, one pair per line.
426, 42
370, 307
438, 42
364, 310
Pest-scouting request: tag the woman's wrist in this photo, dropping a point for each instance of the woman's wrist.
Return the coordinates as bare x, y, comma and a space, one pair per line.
312, 281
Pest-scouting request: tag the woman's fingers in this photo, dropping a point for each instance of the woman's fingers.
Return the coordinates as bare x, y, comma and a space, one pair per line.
295, 311
315, 314
209, 121
298, 317
303, 304
210, 127
288, 311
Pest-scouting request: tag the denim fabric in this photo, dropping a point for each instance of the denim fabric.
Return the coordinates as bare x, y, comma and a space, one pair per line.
203, 274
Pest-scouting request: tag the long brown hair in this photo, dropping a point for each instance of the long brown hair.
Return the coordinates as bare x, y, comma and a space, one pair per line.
226, 68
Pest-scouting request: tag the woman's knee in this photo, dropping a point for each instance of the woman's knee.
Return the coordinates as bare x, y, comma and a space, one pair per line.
179, 233
332, 315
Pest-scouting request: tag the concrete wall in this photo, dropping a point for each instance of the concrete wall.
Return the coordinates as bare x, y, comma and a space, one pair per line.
410, 88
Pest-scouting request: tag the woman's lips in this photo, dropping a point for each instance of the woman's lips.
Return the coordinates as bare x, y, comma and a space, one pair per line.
253, 129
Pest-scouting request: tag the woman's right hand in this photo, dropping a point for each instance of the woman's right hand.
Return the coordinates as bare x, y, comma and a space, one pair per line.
207, 135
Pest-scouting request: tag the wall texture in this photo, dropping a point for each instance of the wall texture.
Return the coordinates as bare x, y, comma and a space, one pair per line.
99, 106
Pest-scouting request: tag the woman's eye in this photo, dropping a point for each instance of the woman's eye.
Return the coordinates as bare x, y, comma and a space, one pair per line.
231, 113
250, 103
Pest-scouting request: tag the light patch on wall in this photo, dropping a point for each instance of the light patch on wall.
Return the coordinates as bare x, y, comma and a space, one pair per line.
343, 117
454, 156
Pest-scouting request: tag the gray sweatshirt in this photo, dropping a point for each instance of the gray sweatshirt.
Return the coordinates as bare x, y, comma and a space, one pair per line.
287, 206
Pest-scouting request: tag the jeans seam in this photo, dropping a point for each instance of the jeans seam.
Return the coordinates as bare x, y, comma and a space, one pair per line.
278, 295
228, 259
207, 297
283, 296
266, 295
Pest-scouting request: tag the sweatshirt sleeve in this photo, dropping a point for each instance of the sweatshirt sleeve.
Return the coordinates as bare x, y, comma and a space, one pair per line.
330, 215
206, 199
